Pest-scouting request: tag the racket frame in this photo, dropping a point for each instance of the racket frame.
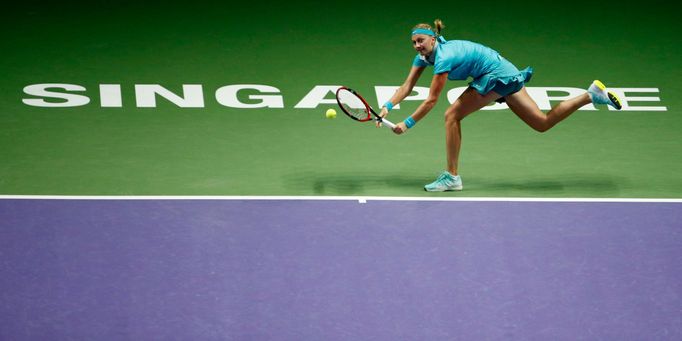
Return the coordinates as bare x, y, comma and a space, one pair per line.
368, 108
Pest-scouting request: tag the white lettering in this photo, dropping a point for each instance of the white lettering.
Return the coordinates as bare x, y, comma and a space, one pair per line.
110, 96
53, 95
626, 100
193, 95
227, 96
41, 90
317, 96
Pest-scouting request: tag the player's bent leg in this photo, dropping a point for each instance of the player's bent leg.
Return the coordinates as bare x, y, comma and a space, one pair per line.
525, 108
521, 104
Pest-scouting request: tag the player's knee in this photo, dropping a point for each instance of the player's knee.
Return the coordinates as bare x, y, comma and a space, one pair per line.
542, 126
452, 117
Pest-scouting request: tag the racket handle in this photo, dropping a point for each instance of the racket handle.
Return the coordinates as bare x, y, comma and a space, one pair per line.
387, 123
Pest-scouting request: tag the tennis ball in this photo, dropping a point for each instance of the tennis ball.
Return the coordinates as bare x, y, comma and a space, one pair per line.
331, 113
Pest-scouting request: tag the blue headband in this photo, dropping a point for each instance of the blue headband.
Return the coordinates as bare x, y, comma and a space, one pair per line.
424, 31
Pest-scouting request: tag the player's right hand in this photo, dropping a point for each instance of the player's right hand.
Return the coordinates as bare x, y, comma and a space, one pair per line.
383, 114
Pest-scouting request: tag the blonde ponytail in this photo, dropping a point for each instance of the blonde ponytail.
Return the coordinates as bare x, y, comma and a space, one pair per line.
438, 25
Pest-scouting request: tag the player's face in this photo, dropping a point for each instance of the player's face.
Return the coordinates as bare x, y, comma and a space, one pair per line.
423, 44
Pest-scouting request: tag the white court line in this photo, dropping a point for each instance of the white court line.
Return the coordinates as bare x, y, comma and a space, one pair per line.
360, 199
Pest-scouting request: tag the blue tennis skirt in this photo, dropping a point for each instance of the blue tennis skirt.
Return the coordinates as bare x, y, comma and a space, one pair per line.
504, 86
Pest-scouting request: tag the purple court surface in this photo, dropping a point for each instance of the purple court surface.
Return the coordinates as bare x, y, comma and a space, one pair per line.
339, 270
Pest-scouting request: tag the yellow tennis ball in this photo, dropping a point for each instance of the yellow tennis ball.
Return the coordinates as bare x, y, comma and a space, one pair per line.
331, 113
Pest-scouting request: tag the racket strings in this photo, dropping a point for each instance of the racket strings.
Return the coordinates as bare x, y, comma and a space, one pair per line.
353, 105
360, 114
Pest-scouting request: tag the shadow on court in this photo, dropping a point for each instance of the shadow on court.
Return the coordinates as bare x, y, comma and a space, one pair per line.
353, 183
363, 182
589, 184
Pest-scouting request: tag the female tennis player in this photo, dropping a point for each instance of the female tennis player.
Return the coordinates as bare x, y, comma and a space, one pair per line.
494, 79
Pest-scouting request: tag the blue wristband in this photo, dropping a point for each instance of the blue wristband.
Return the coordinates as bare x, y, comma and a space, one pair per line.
409, 122
388, 105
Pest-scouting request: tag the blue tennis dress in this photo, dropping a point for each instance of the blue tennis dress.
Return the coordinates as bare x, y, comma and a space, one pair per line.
490, 71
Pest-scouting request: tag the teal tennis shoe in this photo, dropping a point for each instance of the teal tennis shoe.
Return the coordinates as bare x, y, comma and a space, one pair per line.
445, 182
600, 95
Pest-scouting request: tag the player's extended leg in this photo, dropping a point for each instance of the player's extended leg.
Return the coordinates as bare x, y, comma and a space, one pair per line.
527, 110
468, 102
525, 107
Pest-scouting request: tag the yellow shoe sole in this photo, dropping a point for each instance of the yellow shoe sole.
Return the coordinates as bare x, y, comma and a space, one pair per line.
599, 84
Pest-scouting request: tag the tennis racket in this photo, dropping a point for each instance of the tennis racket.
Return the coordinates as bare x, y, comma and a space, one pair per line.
357, 108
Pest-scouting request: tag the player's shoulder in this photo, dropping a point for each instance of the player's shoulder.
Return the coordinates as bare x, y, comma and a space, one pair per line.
448, 49
459, 43
419, 61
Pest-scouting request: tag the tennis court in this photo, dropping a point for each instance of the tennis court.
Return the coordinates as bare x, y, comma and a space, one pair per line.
167, 172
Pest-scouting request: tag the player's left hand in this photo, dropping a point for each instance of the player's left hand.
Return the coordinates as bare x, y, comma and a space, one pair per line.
400, 128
